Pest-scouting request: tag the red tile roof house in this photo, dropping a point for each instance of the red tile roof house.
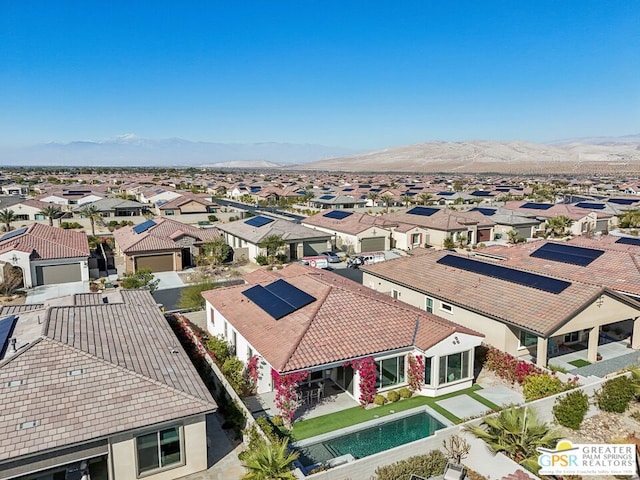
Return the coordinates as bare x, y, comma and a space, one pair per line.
344, 321
160, 244
184, 205
519, 312
107, 384
46, 255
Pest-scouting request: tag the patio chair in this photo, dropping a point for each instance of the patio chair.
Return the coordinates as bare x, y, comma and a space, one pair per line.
454, 471
320, 392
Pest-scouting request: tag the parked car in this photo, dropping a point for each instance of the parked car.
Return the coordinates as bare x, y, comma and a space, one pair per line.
332, 257
371, 257
318, 261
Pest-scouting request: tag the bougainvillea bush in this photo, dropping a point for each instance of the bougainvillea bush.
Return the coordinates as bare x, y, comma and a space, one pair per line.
509, 367
366, 368
287, 399
415, 372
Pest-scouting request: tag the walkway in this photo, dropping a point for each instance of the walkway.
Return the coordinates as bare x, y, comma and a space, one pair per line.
607, 366
45, 292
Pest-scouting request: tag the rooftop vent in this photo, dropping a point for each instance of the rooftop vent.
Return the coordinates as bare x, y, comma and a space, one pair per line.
75, 372
27, 425
16, 383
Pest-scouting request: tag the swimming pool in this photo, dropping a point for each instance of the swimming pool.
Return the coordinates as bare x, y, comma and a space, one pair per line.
371, 440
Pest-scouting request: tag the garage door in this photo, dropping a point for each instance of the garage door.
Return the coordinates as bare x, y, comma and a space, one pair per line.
484, 235
373, 244
50, 274
157, 263
314, 248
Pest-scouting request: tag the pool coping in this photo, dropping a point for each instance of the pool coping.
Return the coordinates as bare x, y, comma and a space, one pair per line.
370, 423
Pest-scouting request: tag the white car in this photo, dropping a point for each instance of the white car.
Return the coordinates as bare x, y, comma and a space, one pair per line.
332, 257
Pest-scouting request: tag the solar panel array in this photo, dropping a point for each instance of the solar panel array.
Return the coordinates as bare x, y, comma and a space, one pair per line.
445, 194
623, 201
144, 226
337, 214
423, 211
279, 298
482, 193
537, 206
559, 252
258, 221
484, 211
507, 274
629, 241
327, 197
12, 234
591, 206
6, 329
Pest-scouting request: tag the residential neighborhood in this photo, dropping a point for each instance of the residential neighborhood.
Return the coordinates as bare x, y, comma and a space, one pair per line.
171, 324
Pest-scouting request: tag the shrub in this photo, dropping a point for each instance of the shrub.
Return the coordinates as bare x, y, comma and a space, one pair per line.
277, 420
261, 259
433, 463
393, 396
220, 349
267, 428
70, 225
212, 218
570, 409
542, 385
615, 395
405, 392
509, 367
281, 258
232, 368
379, 399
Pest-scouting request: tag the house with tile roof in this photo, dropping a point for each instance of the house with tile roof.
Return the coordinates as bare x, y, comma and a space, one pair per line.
519, 310
115, 207
160, 244
70, 197
303, 319
245, 237
46, 255
100, 385
334, 200
184, 205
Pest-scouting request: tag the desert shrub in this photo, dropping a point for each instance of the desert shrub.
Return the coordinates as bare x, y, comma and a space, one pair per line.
220, 349
212, 218
393, 396
281, 258
277, 420
261, 259
268, 428
542, 385
405, 392
570, 409
232, 369
433, 463
615, 395
70, 225
557, 368
509, 367
379, 399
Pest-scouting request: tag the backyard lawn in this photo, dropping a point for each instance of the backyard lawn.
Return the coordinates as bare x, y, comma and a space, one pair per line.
352, 416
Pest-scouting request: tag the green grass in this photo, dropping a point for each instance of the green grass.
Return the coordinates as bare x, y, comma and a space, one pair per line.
580, 363
352, 416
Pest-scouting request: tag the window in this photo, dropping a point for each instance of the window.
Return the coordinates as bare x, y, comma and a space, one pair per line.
168, 212
39, 216
225, 329
454, 367
446, 307
395, 294
213, 316
249, 352
159, 450
429, 305
572, 337
22, 217
415, 238
234, 338
527, 339
390, 372
427, 370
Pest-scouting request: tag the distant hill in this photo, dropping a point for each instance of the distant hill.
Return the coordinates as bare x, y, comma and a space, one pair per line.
487, 156
131, 150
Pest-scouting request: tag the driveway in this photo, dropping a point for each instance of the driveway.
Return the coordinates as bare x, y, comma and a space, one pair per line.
46, 292
168, 280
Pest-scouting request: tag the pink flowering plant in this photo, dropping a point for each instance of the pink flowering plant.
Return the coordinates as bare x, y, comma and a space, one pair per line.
509, 367
287, 399
251, 373
367, 370
415, 372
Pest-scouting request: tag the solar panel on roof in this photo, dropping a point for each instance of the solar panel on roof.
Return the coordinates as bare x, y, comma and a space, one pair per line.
347, 189
6, 329
559, 252
511, 275
590, 206
484, 211
629, 241
327, 197
12, 234
481, 193
144, 226
337, 214
267, 301
445, 194
258, 221
623, 201
537, 206
290, 294
424, 211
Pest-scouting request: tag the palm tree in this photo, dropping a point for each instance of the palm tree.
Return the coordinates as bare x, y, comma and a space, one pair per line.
373, 196
50, 212
7, 216
307, 196
517, 433
406, 199
387, 198
630, 219
425, 198
270, 462
272, 244
559, 224
93, 214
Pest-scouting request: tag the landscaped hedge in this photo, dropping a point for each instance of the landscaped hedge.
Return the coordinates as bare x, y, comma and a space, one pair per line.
433, 463
570, 409
615, 395
543, 385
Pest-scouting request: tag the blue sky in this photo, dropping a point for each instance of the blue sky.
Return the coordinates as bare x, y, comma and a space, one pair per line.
355, 74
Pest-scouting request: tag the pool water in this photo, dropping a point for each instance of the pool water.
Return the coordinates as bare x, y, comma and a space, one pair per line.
378, 438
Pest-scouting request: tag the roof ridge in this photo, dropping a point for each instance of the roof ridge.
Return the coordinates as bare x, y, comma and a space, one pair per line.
119, 367
20, 351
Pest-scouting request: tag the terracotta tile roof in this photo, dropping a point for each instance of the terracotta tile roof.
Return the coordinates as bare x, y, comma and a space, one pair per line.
289, 231
536, 310
15, 309
185, 198
443, 219
347, 320
618, 268
518, 475
134, 373
46, 243
353, 224
557, 209
159, 237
